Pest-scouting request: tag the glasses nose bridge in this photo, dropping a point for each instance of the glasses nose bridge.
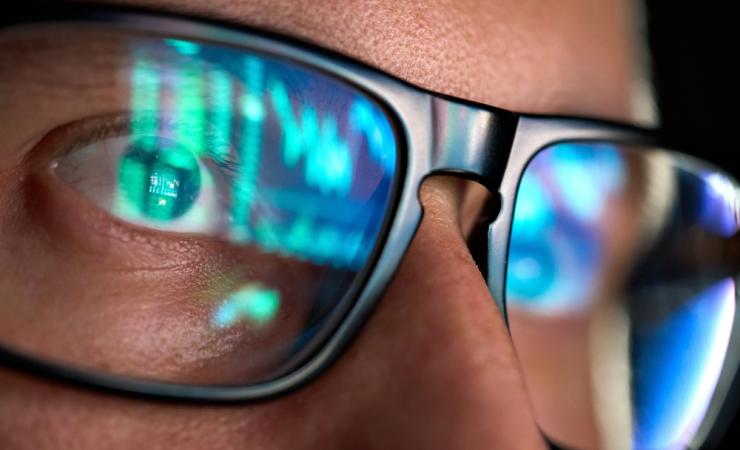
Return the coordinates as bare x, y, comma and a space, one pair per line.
471, 141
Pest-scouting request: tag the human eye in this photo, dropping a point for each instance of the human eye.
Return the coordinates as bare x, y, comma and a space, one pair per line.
149, 181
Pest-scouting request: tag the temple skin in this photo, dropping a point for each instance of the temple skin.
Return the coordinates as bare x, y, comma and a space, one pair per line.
433, 368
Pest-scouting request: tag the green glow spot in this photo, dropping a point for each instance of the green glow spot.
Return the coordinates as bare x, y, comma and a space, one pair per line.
253, 303
183, 47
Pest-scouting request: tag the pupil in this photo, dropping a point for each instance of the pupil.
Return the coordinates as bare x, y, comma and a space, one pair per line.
159, 181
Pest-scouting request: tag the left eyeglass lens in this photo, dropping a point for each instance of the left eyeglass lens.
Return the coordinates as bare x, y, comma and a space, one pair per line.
180, 211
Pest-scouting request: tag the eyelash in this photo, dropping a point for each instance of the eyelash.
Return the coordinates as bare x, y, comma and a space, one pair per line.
74, 135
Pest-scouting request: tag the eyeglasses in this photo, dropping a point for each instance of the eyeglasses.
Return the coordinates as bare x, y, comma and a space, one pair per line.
220, 210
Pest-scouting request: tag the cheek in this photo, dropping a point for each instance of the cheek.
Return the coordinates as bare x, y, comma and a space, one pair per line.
82, 289
35, 415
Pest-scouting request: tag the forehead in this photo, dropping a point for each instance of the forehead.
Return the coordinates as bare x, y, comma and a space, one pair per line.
566, 57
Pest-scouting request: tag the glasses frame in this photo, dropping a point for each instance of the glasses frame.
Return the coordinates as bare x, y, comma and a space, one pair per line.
437, 134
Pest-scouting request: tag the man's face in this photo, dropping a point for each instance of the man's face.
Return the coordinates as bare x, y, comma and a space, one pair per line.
433, 367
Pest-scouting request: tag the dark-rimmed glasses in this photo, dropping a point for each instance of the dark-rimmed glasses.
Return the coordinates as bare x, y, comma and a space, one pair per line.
283, 181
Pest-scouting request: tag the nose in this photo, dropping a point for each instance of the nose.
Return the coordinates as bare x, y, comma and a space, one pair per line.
433, 368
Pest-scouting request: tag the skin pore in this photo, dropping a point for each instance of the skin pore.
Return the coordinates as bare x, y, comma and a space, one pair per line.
433, 367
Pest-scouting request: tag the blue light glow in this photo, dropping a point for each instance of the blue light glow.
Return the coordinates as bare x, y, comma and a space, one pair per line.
186, 48
676, 367
586, 174
244, 188
370, 121
531, 274
328, 162
237, 112
252, 304
720, 204
555, 246
534, 209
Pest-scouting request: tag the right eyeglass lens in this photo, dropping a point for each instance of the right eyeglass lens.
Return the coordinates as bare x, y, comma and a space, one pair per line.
621, 292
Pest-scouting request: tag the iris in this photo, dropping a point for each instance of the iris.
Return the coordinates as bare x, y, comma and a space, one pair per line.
160, 184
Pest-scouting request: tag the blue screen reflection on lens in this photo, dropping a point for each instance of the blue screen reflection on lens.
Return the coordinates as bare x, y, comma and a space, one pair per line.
676, 365
619, 293
555, 247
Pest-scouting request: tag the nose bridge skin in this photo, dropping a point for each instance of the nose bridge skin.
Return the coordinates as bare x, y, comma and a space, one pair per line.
433, 367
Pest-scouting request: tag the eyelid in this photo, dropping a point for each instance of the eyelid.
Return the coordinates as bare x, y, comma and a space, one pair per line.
80, 133
67, 138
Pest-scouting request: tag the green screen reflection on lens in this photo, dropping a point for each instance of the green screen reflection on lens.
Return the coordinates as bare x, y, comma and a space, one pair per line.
220, 112
296, 173
252, 303
253, 115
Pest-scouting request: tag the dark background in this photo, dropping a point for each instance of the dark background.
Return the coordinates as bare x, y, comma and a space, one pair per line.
695, 49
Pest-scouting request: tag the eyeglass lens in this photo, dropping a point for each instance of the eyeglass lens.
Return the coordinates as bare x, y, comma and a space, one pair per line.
177, 210
620, 293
